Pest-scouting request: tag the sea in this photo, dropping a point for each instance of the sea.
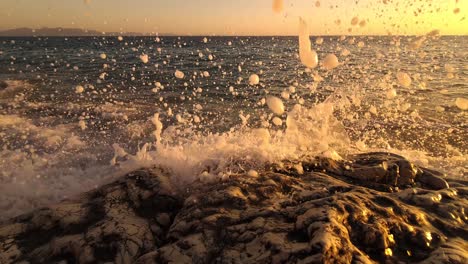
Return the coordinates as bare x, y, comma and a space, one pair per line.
77, 112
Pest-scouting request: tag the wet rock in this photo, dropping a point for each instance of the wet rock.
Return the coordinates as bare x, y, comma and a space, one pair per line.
329, 211
433, 180
380, 170
111, 224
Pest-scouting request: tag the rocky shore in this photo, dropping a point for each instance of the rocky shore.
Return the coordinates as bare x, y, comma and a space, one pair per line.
370, 208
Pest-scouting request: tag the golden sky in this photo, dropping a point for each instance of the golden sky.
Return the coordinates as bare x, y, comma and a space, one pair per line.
240, 17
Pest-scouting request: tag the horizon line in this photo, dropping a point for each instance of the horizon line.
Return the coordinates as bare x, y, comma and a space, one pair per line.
98, 33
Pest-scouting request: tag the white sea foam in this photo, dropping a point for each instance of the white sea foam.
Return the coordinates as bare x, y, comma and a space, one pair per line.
42, 164
309, 132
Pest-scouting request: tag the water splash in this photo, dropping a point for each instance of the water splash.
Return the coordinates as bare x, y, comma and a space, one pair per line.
278, 6
308, 56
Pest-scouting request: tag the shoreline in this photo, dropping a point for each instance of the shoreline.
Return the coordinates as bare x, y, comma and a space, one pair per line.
319, 213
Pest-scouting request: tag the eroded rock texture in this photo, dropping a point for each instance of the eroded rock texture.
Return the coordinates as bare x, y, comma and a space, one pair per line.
372, 208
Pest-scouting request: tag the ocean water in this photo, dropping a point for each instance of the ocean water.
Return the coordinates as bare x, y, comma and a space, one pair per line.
78, 112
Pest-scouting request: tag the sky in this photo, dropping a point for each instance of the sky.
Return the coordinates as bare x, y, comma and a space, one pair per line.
240, 17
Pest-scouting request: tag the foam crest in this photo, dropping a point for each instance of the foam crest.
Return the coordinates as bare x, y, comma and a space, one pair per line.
308, 132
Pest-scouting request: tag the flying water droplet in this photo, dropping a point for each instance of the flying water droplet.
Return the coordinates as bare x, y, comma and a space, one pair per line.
278, 6
308, 56
404, 79
345, 52
462, 103
277, 121
179, 75
330, 62
391, 93
144, 58
159, 127
254, 79
79, 89
275, 104
82, 124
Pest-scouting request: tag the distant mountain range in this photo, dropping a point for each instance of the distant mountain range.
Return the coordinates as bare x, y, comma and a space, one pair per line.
64, 32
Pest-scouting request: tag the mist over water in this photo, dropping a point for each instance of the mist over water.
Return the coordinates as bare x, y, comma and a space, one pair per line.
77, 112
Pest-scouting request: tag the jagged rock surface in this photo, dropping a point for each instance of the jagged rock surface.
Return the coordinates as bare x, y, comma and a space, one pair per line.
372, 208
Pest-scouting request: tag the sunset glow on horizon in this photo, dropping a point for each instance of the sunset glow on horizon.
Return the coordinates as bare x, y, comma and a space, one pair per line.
242, 17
